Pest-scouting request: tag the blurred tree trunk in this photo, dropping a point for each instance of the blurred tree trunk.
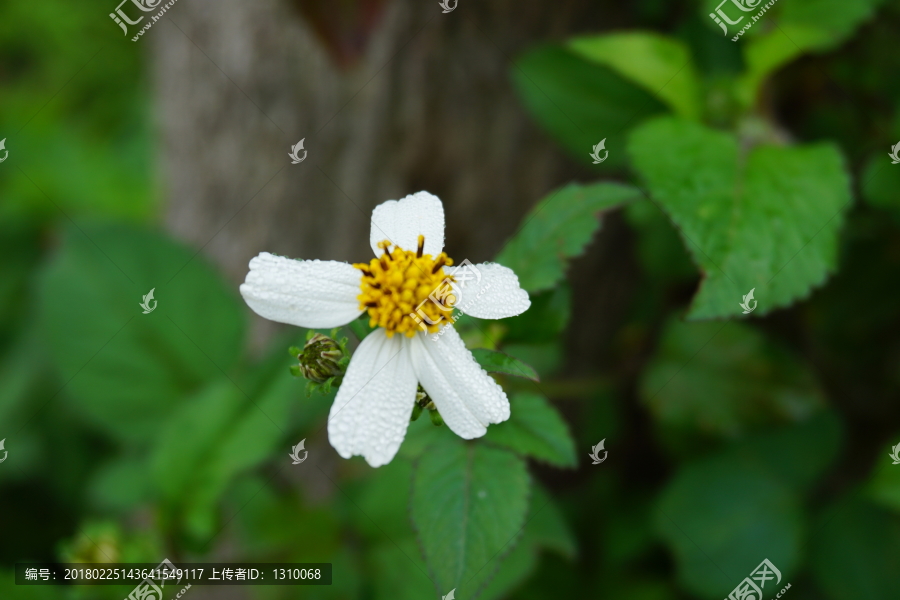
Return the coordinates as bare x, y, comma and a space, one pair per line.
391, 97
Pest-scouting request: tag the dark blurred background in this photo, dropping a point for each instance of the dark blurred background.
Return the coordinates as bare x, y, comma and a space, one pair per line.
163, 164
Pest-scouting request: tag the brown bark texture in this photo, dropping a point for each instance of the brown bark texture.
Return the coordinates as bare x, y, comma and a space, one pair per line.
390, 97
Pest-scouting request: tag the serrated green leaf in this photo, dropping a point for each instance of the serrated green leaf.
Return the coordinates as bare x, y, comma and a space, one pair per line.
658, 63
512, 572
493, 361
468, 506
747, 381
767, 220
545, 528
721, 516
559, 228
855, 551
535, 429
134, 369
581, 103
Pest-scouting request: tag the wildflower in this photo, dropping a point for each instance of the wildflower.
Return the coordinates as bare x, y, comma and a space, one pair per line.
409, 288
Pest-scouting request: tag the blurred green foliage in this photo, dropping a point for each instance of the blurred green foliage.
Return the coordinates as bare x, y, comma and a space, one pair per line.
135, 437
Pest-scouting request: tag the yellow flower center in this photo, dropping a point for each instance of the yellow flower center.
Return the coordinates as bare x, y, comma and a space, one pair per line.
406, 291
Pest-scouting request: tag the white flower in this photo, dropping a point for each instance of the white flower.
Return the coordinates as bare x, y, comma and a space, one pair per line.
372, 408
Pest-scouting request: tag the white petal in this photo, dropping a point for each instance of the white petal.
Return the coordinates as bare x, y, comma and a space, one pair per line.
467, 397
489, 291
402, 221
306, 293
372, 407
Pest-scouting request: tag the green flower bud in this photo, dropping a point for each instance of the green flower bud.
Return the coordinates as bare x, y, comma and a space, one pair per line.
320, 359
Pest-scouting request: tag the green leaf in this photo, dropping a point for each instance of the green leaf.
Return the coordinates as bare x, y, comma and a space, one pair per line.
399, 573
798, 454
547, 317
559, 228
884, 485
129, 370
468, 506
498, 362
535, 429
766, 220
802, 26
835, 20
546, 527
272, 520
545, 358
224, 431
581, 103
513, 571
658, 63
721, 517
880, 183
120, 485
765, 54
747, 381
381, 510
855, 551
22, 373
421, 435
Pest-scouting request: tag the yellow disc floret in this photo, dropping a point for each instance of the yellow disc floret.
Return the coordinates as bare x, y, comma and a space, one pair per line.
406, 291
